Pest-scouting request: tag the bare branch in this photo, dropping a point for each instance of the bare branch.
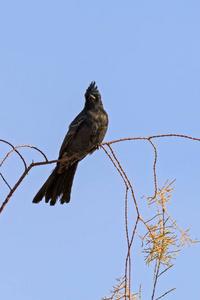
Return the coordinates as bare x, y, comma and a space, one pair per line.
26, 172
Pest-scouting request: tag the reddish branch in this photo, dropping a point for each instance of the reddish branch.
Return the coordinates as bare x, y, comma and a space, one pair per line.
26, 172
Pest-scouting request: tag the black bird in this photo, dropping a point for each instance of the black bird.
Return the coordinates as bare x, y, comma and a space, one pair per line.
84, 136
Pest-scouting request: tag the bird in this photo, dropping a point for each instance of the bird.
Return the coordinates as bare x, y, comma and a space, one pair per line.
84, 136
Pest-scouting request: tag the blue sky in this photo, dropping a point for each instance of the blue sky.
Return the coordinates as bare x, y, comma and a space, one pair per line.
145, 58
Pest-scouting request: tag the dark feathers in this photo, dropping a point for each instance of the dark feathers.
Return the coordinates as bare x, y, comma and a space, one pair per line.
85, 134
92, 90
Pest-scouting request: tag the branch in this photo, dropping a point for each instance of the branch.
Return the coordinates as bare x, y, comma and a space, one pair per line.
26, 172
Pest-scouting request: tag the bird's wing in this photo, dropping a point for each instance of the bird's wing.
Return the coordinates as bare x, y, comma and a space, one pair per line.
74, 127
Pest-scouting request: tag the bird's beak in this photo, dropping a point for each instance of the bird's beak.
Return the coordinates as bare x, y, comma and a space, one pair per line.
92, 96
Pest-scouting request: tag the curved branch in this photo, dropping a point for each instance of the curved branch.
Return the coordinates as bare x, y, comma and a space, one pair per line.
22, 146
153, 137
26, 172
15, 151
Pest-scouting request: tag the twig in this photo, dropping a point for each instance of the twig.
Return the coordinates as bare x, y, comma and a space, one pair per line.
5, 181
26, 172
3, 141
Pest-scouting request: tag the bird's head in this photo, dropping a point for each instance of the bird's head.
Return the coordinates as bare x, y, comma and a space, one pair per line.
92, 95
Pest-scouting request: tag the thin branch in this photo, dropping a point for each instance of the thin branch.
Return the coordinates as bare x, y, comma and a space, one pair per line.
165, 293
22, 146
154, 167
26, 172
5, 181
153, 137
3, 141
127, 179
165, 270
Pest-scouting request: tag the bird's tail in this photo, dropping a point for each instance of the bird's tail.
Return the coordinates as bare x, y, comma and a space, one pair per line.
58, 184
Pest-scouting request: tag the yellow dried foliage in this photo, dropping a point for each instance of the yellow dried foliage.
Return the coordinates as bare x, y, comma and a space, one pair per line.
120, 291
162, 237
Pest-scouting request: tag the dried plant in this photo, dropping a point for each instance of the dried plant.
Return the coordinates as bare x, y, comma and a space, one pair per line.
163, 238
118, 291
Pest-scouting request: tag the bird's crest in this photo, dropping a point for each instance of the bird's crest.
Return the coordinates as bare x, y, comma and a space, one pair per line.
92, 89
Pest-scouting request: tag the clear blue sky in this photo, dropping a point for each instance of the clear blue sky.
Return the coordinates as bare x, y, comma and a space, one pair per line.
145, 58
